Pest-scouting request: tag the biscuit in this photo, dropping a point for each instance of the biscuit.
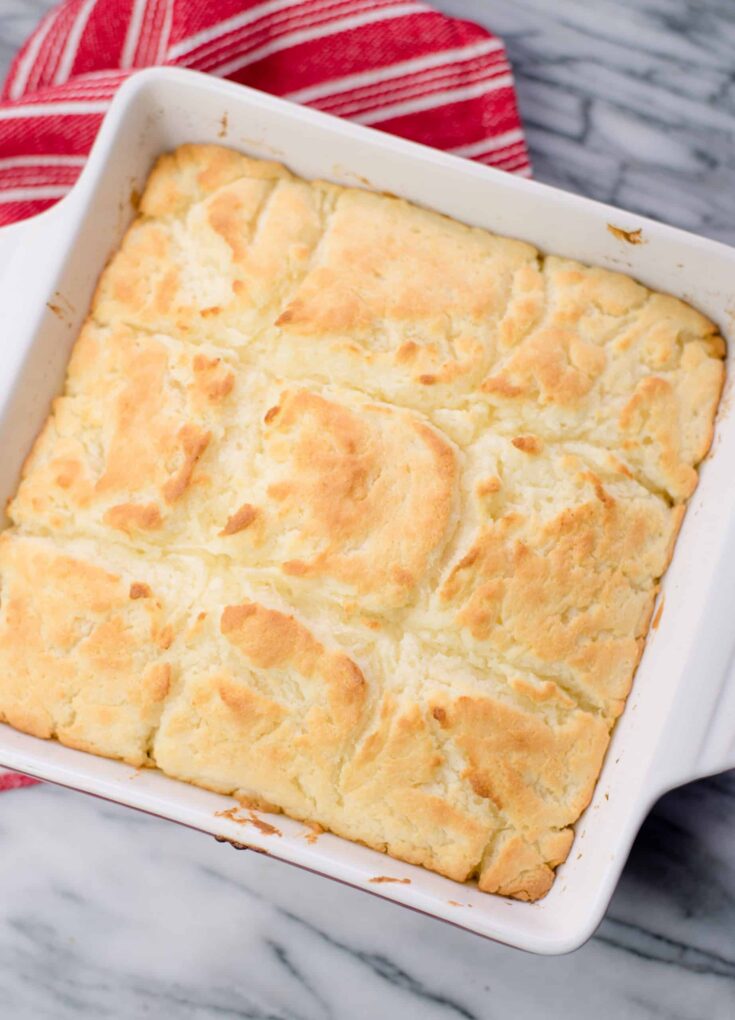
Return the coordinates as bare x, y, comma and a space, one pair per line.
355, 511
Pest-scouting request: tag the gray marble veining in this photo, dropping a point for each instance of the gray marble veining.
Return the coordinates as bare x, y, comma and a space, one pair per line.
628, 101
17, 20
107, 913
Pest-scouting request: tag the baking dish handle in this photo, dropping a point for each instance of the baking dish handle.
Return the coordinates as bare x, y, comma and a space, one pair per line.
12, 239
30, 242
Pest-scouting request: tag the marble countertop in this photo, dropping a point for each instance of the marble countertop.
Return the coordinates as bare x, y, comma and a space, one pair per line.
110, 914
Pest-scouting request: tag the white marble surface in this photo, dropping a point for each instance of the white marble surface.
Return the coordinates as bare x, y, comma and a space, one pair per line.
106, 913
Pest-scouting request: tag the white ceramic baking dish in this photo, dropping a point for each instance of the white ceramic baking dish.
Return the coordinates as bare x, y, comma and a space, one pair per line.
680, 720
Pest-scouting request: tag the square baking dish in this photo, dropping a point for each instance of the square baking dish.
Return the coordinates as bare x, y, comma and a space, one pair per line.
679, 723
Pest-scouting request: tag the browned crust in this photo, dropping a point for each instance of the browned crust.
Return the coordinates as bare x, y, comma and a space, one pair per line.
240, 520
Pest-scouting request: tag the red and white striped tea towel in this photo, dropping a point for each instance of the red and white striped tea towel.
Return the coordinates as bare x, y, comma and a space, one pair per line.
394, 64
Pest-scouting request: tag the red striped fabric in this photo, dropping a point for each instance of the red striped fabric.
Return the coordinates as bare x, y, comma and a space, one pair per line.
397, 65
14, 780
394, 64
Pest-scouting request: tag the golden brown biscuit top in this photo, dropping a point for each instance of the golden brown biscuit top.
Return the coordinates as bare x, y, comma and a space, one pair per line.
355, 511
384, 262
369, 494
84, 657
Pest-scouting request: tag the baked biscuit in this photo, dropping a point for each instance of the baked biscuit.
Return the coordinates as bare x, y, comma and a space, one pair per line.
220, 242
127, 441
354, 512
85, 645
555, 566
